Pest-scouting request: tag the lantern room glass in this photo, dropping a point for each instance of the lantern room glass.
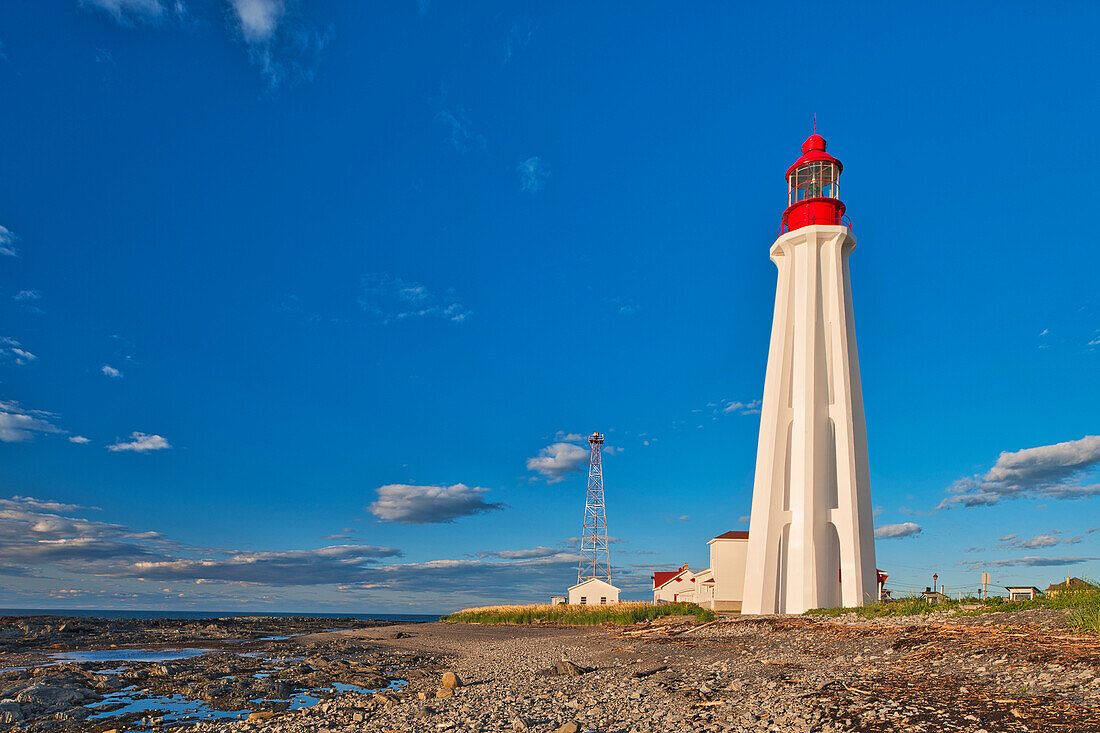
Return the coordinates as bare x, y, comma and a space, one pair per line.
816, 179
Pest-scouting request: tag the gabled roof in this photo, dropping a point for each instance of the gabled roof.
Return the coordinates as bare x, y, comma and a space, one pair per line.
733, 534
586, 581
670, 577
1073, 583
661, 577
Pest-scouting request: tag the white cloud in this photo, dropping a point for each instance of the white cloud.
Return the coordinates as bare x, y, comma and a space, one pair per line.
407, 504
517, 38
743, 408
140, 443
392, 300
462, 137
745, 519
325, 565
7, 243
533, 173
79, 439
1043, 540
110, 371
258, 19
539, 551
13, 350
1030, 561
557, 460
36, 534
39, 538
26, 295
124, 10
626, 306
892, 531
18, 425
685, 518
1050, 471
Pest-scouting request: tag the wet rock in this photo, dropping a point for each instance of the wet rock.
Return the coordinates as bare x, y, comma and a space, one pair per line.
10, 712
46, 696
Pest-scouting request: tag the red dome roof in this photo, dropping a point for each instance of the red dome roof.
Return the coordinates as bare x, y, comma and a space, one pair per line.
814, 149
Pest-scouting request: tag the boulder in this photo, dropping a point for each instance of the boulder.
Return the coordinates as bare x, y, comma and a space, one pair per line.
47, 696
451, 680
10, 712
569, 727
564, 668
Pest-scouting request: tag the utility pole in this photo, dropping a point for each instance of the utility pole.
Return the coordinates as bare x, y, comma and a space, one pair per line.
985, 585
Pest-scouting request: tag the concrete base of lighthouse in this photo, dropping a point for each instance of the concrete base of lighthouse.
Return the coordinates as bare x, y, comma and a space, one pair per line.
811, 537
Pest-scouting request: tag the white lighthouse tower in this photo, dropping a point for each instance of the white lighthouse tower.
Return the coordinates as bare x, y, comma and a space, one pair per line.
811, 539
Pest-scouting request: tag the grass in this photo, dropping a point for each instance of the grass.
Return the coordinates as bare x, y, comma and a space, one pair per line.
1082, 607
612, 613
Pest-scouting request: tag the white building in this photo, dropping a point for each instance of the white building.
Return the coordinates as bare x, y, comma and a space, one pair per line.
704, 588
811, 536
1022, 592
674, 585
727, 566
719, 587
593, 592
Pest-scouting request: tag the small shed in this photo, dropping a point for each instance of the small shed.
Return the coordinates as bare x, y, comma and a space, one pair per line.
557, 600
1022, 592
593, 592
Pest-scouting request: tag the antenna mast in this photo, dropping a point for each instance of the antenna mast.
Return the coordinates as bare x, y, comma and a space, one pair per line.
595, 552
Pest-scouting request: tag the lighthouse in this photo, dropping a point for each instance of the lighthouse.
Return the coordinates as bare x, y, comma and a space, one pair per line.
811, 539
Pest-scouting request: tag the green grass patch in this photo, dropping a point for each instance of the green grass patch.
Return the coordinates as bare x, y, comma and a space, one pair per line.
1082, 607
612, 613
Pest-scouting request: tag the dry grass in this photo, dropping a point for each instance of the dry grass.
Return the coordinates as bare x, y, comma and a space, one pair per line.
1082, 607
629, 612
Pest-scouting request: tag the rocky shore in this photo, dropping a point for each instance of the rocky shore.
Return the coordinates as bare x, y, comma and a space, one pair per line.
1004, 672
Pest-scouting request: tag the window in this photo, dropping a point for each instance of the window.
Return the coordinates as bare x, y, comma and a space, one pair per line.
815, 179
603, 600
584, 601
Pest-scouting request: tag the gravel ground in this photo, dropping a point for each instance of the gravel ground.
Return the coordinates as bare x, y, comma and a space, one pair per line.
1022, 672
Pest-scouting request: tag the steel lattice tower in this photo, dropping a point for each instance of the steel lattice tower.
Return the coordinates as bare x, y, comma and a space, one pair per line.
595, 552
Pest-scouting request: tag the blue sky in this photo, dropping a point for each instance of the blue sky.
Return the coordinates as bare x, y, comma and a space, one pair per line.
303, 304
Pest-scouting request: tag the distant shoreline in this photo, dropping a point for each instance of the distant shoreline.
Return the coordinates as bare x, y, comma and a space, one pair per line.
112, 613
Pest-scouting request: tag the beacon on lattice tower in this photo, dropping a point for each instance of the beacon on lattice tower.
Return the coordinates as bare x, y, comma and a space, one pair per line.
595, 551
811, 538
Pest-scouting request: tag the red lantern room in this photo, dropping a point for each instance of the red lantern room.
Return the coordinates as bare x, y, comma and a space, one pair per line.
813, 194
